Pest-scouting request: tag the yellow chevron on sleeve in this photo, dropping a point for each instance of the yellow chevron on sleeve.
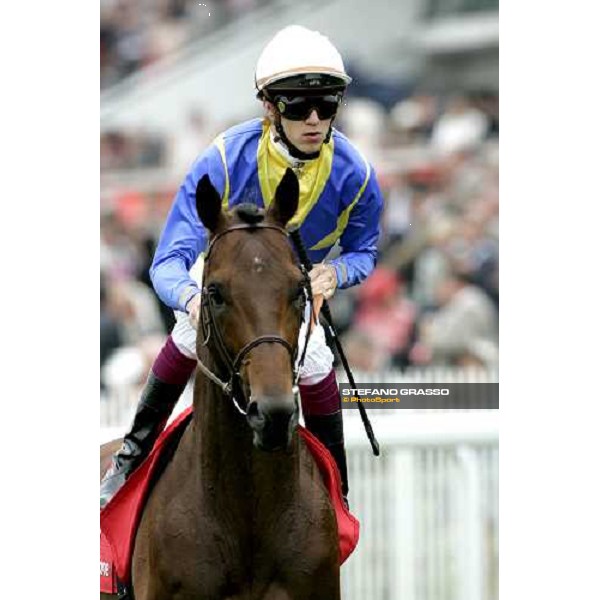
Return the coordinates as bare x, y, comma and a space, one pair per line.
262, 162
334, 236
220, 144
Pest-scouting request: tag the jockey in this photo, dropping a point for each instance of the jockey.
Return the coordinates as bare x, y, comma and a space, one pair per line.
300, 79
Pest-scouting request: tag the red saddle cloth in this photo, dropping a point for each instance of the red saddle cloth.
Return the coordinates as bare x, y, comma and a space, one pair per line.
119, 519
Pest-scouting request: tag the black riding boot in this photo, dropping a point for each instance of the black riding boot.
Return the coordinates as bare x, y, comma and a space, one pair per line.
155, 406
329, 429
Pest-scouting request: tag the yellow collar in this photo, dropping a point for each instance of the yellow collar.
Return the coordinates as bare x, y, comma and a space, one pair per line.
312, 174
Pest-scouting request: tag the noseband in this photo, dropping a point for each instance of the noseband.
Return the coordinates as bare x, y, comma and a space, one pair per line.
233, 386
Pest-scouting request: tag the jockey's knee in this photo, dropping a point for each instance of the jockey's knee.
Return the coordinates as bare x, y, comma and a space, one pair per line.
184, 335
318, 362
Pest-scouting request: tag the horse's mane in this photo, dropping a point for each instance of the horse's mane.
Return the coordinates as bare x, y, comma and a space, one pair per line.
249, 213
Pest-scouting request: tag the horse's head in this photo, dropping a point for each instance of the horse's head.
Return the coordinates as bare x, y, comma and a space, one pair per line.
252, 307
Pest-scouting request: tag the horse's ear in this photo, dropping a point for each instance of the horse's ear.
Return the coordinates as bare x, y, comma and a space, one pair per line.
208, 204
285, 203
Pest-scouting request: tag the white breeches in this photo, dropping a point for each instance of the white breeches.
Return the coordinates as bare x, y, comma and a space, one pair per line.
317, 363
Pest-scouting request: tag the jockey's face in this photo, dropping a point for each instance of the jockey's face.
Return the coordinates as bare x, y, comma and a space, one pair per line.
307, 135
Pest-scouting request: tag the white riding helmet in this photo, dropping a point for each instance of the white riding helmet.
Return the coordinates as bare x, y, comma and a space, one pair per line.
298, 59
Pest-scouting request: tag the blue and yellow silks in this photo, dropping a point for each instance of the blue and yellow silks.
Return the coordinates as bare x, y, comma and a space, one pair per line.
339, 200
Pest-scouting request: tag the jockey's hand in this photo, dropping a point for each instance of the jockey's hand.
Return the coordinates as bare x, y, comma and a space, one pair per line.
193, 310
323, 280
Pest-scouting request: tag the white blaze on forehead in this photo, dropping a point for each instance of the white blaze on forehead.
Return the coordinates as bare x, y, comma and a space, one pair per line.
259, 264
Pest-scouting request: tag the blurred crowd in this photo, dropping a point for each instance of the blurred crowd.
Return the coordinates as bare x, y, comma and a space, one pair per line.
137, 33
129, 150
433, 298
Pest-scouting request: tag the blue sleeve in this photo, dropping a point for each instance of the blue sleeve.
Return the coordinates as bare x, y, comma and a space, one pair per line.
360, 237
184, 237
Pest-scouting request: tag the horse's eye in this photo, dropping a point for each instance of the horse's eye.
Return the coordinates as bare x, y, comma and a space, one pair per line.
216, 295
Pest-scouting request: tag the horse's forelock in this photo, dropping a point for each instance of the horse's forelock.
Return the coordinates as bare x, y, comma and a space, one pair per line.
249, 213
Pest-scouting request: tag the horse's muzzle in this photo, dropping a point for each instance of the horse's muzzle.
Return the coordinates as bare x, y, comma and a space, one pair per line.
273, 420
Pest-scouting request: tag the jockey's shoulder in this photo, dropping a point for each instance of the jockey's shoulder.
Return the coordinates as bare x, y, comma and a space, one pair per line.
246, 128
350, 154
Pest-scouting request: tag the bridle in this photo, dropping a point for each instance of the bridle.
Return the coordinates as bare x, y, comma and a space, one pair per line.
233, 387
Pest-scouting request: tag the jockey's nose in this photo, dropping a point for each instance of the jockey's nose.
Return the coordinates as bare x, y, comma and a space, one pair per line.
313, 118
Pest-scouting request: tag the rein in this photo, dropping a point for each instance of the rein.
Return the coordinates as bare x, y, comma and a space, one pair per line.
233, 387
326, 312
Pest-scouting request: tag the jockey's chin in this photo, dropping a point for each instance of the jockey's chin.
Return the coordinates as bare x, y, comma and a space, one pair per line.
309, 135
311, 143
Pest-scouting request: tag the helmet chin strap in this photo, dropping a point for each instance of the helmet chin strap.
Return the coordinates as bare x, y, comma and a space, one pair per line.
296, 152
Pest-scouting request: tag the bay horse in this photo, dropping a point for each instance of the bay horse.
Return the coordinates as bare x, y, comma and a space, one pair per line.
241, 512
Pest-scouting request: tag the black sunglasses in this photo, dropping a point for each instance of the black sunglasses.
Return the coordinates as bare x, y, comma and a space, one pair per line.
299, 108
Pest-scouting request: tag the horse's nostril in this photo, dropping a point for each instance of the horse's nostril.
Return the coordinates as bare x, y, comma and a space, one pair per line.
252, 410
273, 420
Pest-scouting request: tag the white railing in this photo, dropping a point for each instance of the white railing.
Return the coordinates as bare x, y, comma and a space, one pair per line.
428, 506
117, 406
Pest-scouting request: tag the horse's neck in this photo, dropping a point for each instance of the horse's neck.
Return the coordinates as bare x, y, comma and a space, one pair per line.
230, 466
221, 439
